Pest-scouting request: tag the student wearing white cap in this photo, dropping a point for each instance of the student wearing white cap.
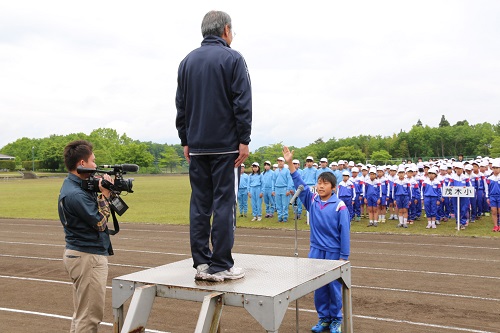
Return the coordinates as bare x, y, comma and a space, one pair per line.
493, 193
309, 177
267, 189
401, 193
460, 179
358, 182
322, 168
255, 191
372, 192
347, 193
243, 192
431, 190
296, 164
282, 187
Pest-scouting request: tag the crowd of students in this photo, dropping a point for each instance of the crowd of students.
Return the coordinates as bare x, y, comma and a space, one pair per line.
373, 192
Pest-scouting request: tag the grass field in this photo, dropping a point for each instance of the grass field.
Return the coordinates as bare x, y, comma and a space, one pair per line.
165, 199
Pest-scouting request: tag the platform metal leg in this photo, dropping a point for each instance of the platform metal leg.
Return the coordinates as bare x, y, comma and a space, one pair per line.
346, 298
118, 321
139, 310
211, 310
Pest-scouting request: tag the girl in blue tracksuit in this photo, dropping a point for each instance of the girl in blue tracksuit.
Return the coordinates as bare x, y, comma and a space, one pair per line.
255, 191
493, 194
431, 190
402, 195
347, 193
267, 189
282, 187
372, 192
460, 179
330, 239
243, 192
358, 187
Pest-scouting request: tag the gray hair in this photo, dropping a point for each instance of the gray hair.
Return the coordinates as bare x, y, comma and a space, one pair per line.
214, 23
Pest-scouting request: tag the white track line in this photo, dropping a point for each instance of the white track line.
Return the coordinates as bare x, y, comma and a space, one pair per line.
426, 272
300, 309
356, 267
428, 293
269, 247
390, 320
51, 315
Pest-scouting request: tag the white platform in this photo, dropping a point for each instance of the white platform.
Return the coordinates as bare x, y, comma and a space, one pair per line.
270, 284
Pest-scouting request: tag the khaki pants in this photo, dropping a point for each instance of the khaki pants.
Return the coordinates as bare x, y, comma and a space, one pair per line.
88, 273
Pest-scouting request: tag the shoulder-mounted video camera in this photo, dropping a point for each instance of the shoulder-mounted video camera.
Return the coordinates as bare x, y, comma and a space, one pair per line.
120, 184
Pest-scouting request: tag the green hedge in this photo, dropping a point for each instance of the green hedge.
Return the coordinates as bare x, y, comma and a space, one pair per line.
28, 165
8, 164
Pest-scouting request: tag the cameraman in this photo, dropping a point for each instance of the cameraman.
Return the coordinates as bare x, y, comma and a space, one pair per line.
84, 215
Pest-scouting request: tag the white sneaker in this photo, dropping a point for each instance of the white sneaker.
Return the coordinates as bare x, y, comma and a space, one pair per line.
254, 218
428, 226
259, 218
433, 226
233, 273
201, 272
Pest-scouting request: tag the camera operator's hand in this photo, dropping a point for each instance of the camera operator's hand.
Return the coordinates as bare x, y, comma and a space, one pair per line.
105, 191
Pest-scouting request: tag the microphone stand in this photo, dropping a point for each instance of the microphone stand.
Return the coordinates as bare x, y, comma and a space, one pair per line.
296, 218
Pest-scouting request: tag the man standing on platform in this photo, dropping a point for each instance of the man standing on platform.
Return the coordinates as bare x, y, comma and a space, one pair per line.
214, 120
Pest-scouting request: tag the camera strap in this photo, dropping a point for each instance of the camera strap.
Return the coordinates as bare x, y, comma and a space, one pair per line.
115, 224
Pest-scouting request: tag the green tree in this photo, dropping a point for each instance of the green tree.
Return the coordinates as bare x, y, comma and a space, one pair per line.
170, 158
347, 153
135, 153
380, 156
495, 147
444, 122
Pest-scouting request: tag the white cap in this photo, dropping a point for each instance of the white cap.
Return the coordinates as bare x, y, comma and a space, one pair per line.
393, 168
275, 165
443, 167
355, 169
479, 157
346, 173
315, 165
496, 163
433, 170
372, 170
483, 164
295, 162
380, 168
309, 158
351, 163
255, 164
420, 165
468, 167
323, 159
243, 165
333, 163
364, 167
268, 162
341, 162
401, 169
459, 165
281, 159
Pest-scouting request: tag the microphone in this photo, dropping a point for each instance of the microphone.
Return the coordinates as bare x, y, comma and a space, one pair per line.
85, 170
299, 189
123, 167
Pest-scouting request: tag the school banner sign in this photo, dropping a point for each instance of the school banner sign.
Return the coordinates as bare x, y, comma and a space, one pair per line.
458, 192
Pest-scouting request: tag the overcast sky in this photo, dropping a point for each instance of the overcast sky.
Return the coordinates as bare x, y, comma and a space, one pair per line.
318, 68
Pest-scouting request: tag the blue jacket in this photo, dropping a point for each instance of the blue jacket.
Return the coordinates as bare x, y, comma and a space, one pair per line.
282, 179
79, 214
329, 221
309, 176
267, 180
244, 180
213, 99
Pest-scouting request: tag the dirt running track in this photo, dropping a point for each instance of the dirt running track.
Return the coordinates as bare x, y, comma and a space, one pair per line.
400, 283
